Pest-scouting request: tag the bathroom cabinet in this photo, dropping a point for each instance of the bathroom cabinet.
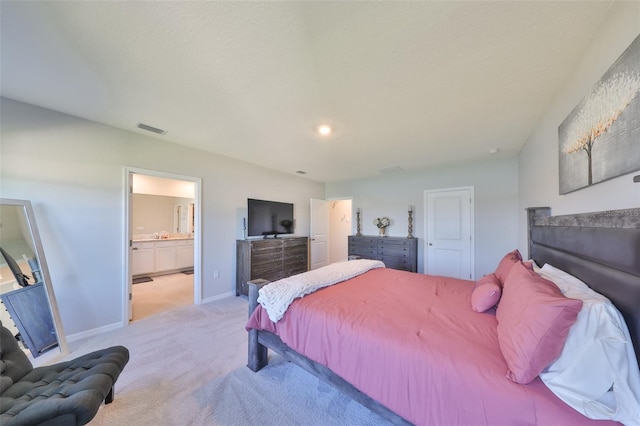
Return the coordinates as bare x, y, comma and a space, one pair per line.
142, 258
151, 257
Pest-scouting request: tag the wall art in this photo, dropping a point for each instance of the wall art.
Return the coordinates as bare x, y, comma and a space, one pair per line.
600, 139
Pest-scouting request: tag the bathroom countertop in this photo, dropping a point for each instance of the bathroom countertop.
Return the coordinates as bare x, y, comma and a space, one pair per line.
145, 240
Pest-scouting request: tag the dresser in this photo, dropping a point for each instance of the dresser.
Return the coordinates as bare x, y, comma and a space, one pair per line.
271, 259
396, 252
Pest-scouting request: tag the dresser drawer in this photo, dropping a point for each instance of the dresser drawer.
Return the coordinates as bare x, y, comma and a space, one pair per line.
396, 242
294, 243
404, 264
363, 251
394, 250
267, 271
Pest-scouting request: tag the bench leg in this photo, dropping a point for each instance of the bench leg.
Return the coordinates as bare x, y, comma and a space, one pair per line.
109, 398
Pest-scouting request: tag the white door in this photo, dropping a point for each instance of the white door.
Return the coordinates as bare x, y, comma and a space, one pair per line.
449, 238
319, 233
129, 302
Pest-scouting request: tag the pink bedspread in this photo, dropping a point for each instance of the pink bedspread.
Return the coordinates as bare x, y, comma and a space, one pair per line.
412, 343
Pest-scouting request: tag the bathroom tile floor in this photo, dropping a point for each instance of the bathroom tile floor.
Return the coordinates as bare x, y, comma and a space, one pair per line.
164, 293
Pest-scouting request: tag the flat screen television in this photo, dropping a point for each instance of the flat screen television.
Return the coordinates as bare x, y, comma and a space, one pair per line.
265, 218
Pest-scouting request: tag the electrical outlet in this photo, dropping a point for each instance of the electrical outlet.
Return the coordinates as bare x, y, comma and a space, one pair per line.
216, 274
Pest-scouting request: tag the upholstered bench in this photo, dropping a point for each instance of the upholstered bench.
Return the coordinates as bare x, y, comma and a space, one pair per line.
67, 393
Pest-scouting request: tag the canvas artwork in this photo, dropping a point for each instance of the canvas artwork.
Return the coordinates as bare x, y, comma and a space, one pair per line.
600, 139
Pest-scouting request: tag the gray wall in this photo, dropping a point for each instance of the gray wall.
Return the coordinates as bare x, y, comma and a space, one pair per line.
495, 183
72, 170
538, 160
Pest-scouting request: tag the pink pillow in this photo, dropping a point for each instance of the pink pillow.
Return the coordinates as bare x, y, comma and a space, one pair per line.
486, 293
533, 322
506, 263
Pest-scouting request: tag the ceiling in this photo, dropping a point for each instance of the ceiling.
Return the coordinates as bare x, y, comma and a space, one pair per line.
405, 85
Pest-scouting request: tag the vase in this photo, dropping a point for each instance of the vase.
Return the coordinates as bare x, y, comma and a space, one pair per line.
382, 231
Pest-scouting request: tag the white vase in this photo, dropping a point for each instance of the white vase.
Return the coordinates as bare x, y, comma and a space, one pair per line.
382, 231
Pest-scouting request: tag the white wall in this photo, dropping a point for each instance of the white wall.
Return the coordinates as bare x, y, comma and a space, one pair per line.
538, 161
72, 170
496, 202
154, 185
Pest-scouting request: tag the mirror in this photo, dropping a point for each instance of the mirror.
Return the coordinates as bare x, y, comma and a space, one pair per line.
29, 308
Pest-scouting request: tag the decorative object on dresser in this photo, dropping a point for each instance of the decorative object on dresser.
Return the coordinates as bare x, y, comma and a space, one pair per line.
270, 259
358, 233
395, 252
382, 224
410, 235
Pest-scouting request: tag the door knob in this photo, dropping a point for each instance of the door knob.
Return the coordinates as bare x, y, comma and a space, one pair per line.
430, 244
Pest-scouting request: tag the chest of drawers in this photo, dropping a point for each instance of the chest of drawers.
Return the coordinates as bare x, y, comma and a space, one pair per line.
270, 259
395, 252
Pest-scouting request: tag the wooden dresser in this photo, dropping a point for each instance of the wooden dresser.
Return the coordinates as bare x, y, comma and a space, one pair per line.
396, 252
271, 259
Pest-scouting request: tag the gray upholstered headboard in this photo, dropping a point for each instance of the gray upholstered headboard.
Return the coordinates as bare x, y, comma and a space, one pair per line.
602, 249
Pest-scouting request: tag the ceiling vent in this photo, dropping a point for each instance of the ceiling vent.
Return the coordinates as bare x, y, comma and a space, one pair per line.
151, 129
391, 169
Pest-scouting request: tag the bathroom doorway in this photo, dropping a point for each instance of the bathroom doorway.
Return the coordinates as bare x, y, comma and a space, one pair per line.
162, 234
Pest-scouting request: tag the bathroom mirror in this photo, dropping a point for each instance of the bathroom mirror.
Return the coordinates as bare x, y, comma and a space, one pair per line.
29, 308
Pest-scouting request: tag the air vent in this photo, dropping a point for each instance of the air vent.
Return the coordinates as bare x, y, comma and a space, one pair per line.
151, 129
391, 169
301, 172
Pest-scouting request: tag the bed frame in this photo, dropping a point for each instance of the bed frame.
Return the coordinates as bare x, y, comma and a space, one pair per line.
602, 249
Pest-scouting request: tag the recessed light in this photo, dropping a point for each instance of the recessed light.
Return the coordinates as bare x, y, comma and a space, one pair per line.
324, 129
494, 151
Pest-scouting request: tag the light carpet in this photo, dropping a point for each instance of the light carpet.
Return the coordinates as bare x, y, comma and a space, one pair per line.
188, 367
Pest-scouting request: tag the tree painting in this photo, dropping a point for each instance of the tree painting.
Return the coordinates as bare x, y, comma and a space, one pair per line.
601, 109
600, 139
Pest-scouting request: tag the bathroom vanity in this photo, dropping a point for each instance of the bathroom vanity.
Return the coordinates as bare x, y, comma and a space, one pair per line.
158, 256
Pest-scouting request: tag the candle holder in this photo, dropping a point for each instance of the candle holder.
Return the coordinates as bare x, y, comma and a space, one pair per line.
358, 234
410, 224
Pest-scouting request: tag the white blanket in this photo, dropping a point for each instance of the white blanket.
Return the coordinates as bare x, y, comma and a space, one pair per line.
278, 295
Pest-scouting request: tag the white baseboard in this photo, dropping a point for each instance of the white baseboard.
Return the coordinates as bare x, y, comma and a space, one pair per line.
218, 297
117, 325
93, 332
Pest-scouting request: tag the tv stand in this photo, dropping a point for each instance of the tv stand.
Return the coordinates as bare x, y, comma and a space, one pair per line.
269, 258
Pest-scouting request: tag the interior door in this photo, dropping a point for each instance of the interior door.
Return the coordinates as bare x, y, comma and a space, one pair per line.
449, 233
129, 302
319, 233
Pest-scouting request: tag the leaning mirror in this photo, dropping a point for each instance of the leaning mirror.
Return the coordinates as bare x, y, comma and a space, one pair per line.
29, 308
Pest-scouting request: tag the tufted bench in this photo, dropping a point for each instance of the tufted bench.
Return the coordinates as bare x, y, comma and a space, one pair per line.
67, 393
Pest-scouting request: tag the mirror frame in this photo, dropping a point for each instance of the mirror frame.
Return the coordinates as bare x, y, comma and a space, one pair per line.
44, 268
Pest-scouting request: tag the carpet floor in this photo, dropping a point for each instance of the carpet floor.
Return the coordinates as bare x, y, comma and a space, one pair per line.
188, 367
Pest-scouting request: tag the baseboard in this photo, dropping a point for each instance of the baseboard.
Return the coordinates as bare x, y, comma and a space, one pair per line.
93, 332
117, 325
218, 297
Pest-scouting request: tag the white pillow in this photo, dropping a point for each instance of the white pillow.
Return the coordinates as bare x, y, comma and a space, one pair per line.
597, 371
536, 268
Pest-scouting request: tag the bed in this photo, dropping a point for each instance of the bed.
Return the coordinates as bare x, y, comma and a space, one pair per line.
449, 371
